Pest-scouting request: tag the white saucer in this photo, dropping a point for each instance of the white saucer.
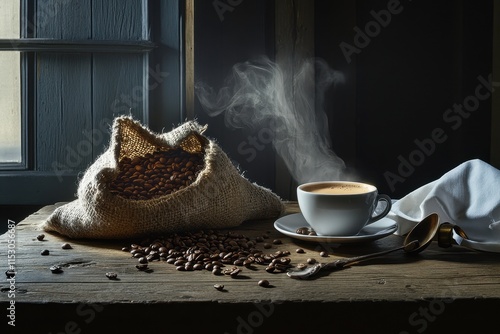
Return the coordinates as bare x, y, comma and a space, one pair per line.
379, 229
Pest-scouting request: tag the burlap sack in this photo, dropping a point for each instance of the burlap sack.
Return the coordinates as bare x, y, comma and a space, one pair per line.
220, 196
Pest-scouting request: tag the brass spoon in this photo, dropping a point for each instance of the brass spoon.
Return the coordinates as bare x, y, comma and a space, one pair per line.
416, 241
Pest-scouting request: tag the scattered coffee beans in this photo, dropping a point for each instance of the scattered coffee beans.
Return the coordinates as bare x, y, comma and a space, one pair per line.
156, 174
66, 246
209, 250
305, 231
45, 252
40, 237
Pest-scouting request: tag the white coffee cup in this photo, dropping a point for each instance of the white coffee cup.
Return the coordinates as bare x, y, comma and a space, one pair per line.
340, 208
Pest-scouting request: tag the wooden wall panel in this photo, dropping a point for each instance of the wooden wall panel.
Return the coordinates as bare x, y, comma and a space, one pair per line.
118, 89
63, 112
63, 109
63, 19
118, 80
117, 19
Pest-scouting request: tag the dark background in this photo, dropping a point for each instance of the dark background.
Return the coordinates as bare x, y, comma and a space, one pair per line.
397, 88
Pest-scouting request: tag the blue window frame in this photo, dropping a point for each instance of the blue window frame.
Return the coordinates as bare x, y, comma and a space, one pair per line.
85, 62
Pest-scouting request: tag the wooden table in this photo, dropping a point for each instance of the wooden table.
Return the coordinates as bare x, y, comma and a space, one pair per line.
440, 290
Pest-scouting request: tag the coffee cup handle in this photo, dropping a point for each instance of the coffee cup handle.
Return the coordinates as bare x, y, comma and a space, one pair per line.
387, 199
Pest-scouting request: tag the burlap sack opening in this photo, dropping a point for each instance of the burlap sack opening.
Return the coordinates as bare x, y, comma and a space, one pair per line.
220, 197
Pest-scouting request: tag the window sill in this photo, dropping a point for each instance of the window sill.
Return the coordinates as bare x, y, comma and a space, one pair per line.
36, 188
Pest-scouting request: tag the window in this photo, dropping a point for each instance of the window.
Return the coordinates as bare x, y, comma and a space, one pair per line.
80, 63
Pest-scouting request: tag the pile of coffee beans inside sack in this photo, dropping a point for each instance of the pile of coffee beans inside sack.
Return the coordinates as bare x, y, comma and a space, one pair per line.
219, 252
156, 174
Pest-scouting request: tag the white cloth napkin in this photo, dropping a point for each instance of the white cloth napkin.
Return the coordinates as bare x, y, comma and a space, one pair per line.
468, 196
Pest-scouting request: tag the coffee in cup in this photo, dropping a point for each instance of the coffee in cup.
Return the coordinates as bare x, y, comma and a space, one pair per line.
340, 208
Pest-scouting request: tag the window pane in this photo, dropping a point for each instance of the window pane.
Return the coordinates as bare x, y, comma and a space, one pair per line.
10, 108
10, 86
9, 18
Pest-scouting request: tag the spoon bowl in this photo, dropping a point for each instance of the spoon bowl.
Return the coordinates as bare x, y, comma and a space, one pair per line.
418, 239
423, 232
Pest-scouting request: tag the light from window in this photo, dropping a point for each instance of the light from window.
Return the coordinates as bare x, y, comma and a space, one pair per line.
10, 86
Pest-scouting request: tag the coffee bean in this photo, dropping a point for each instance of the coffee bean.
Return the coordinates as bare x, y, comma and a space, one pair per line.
219, 287
311, 261
111, 275
301, 266
323, 254
299, 250
277, 242
142, 267
45, 252
56, 269
267, 245
302, 230
270, 268
263, 283
66, 246
235, 272
40, 237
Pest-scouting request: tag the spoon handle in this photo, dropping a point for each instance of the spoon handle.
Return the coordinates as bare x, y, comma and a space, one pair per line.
350, 260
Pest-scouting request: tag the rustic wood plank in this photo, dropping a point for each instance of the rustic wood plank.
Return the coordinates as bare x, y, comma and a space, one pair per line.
63, 90
63, 112
120, 81
118, 20
119, 88
452, 272
456, 277
63, 19
189, 58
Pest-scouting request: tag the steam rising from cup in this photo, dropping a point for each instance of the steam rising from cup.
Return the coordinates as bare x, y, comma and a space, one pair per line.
259, 95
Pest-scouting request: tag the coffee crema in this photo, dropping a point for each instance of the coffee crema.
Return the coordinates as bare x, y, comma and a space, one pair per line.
338, 189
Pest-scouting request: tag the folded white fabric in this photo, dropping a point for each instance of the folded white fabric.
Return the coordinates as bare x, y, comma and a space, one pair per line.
468, 196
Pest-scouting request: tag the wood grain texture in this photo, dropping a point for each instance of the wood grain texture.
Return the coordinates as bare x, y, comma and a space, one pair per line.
63, 112
457, 278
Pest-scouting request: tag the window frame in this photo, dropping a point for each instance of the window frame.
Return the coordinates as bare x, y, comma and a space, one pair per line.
23, 184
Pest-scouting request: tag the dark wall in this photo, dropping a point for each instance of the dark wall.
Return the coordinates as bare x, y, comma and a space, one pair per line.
405, 78
227, 33
395, 120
